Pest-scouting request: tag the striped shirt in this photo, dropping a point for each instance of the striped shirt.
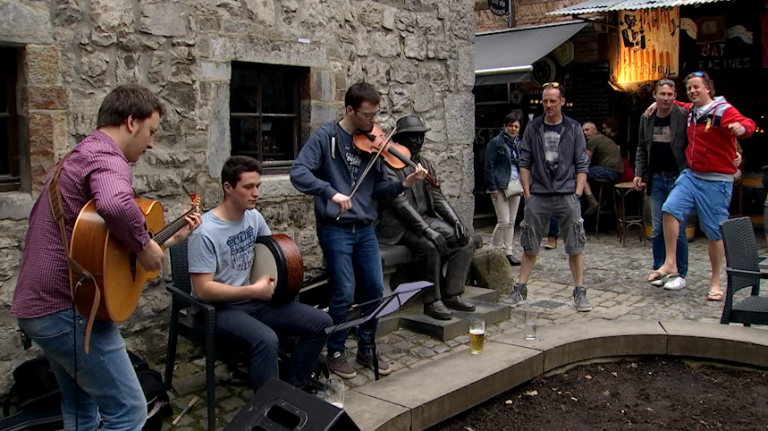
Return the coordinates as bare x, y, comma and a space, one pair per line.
97, 169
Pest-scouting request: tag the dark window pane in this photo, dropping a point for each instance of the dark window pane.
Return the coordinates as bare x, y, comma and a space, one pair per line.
277, 96
5, 168
244, 137
243, 90
277, 139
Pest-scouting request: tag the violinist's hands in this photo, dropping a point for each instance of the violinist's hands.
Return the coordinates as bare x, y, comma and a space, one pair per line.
638, 182
651, 109
437, 240
193, 221
419, 174
737, 129
344, 202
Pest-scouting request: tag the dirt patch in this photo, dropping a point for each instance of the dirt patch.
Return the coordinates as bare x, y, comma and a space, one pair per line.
653, 394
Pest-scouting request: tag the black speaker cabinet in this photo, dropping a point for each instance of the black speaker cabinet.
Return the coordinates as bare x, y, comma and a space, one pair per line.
278, 406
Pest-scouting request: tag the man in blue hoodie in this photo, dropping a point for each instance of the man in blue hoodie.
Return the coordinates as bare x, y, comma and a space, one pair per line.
553, 170
328, 167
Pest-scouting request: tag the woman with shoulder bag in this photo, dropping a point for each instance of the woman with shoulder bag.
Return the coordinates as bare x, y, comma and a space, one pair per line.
502, 176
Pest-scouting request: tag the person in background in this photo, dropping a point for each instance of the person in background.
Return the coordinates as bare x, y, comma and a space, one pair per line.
502, 158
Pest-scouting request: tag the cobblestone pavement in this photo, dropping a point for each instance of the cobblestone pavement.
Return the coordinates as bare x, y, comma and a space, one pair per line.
615, 280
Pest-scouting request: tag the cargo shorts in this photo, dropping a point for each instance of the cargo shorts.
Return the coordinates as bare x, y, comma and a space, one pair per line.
540, 208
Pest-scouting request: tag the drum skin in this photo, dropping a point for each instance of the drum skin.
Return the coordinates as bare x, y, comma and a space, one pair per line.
283, 261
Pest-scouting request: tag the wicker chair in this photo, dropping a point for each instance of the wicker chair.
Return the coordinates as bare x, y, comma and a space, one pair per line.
743, 271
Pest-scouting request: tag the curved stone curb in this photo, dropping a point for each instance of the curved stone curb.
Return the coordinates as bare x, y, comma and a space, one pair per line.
422, 397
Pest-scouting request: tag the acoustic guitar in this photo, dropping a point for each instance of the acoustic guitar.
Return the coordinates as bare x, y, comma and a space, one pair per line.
118, 273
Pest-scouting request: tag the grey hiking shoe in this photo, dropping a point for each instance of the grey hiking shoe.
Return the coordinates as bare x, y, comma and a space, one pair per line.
337, 363
519, 293
580, 299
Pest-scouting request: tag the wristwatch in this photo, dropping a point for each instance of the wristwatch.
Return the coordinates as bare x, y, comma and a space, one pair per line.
577, 195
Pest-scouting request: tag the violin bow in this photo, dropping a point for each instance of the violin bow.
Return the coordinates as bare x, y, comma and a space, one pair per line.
368, 168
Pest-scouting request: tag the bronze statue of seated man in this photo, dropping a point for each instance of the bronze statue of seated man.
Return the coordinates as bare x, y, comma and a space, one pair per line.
422, 219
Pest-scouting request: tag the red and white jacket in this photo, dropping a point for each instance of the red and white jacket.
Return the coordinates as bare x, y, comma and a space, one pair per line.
711, 146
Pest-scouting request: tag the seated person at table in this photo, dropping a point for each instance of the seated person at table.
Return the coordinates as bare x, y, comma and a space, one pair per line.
221, 254
422, 219
606, 163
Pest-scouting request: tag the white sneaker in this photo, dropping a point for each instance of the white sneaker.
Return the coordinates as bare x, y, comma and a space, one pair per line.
675, 283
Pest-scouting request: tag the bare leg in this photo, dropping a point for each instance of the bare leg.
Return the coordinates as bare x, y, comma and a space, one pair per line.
716, 253
526, 268
587, 189
671, 233
576, 263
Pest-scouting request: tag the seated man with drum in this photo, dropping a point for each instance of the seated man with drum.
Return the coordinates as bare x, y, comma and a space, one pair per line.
422, 219
221, 255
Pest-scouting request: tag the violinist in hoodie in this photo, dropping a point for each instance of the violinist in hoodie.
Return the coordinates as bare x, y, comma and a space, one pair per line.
707, 184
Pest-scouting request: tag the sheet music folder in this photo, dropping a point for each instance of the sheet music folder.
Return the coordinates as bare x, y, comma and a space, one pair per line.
389, 304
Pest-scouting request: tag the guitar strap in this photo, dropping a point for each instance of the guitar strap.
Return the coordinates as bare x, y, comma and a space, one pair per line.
55, 200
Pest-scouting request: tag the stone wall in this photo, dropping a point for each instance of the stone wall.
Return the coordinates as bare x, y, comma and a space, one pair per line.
418, 53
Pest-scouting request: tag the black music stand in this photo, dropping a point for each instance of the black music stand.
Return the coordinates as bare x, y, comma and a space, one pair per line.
389, 304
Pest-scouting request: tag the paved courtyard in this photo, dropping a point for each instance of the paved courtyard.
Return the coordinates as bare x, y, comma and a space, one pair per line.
614, 276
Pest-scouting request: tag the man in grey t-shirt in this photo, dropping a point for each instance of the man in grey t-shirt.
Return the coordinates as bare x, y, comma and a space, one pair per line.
221, 254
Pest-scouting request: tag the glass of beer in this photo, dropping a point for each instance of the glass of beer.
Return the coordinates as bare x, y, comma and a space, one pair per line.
477, 335
334, 392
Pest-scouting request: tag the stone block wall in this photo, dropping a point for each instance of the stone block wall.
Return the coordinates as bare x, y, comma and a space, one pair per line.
418, 53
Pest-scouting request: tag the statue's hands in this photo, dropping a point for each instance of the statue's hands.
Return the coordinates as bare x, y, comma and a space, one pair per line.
436, 239
462, 233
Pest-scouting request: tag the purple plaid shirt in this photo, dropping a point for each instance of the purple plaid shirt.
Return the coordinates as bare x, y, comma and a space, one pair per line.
97, 169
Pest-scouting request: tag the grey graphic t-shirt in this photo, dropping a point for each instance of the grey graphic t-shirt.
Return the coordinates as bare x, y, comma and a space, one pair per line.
226, 249
552, 145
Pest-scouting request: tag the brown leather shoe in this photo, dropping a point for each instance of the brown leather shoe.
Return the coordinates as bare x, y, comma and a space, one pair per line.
457, 303
551, 243
367, 360
337, 363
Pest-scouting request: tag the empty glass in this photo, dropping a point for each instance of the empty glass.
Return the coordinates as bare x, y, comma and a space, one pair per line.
530, 325
334, 392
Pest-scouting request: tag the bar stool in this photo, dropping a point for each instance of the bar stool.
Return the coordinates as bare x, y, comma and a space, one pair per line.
623, 221
601, 183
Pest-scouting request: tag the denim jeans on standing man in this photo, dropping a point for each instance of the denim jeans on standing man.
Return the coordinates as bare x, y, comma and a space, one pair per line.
352, 256
660, 189
107, 387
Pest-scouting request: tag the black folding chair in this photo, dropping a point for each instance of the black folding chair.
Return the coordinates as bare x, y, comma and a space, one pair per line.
743, 270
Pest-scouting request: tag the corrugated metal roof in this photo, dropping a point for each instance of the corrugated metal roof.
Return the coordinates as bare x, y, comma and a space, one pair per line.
597, 6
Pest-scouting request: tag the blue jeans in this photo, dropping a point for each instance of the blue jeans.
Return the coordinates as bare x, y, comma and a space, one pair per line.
107, 387
710, 199
352, 256
601, 172
660, 190
253, 327
554, 227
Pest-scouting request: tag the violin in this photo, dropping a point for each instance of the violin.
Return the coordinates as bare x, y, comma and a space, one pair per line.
396, 156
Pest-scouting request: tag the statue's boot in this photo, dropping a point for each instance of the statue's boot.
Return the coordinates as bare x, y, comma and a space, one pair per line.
457, 303
438, 310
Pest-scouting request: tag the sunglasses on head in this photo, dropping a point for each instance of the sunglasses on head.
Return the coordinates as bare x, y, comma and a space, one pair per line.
667, 82
550, 84
699, 74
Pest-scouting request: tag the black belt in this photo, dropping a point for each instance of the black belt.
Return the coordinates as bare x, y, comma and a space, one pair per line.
667, 174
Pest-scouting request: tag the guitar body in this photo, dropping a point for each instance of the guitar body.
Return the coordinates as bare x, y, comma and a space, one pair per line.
119, 274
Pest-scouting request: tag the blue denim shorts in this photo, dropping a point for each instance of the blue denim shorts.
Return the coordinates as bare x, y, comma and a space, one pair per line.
710, 199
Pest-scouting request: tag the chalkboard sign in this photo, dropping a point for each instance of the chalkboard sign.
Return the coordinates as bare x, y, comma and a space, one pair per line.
590, 92
497, 93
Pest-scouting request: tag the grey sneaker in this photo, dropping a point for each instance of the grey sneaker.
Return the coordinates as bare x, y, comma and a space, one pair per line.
337, 363
519, 293
580, 299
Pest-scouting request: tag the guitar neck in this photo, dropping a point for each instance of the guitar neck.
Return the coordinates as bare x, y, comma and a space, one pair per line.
171, 228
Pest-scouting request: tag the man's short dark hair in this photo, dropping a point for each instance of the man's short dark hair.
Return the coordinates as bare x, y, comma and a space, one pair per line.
663, 82
128, 101
235, 166
511, 118
704, 77
359, 93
